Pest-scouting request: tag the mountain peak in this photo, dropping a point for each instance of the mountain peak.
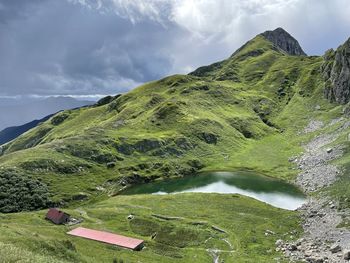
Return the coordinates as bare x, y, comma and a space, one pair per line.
284, 41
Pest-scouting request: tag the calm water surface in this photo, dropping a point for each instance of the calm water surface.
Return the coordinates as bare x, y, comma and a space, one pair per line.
274, 192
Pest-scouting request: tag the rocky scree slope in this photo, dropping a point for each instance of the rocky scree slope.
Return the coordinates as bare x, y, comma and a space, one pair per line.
324, 172
326, 238
217, 117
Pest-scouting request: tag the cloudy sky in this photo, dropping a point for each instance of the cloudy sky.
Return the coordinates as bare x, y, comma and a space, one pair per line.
87, 47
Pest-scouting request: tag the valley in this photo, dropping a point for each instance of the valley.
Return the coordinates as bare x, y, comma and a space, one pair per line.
267, 110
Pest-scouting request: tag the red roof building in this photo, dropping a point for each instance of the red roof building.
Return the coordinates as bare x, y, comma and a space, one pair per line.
57, 217
109, 238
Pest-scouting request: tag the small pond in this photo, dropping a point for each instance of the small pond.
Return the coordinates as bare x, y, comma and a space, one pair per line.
272, 191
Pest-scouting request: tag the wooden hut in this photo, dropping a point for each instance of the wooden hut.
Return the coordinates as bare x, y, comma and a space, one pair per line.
57, 217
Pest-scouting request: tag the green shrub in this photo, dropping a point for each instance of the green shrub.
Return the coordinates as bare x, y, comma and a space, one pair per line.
59, 118
19, 192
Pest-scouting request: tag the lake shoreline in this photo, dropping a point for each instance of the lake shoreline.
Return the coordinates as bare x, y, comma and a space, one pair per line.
273, 191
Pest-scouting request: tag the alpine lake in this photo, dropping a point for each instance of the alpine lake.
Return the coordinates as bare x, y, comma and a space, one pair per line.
275, 192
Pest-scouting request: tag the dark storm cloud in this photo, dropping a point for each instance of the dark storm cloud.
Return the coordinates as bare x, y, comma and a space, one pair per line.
61, 48
10, 9
110, 46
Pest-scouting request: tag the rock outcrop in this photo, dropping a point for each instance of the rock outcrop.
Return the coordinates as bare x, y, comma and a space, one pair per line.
336, 73
284, 41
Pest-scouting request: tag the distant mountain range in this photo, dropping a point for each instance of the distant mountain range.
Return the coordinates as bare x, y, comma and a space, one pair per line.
10, 133
16, 112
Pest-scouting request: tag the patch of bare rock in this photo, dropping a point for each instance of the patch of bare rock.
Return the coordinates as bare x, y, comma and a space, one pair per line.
323, 241
313, 126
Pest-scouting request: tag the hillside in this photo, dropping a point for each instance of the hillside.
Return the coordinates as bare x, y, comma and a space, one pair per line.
213, 118
248, 112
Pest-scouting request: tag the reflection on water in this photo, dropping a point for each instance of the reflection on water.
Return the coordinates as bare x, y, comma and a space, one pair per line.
271, 191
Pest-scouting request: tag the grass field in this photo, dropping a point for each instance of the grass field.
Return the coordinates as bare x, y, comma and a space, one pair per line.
186, 236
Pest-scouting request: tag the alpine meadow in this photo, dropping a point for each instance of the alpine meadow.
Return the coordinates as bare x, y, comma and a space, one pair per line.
269, 111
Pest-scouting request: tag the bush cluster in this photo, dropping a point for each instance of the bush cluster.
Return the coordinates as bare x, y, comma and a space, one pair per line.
20, 192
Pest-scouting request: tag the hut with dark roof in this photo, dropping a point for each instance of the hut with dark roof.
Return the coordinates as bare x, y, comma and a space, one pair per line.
57, 217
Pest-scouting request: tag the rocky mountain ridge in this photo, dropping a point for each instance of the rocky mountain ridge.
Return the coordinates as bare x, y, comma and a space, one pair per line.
284, 41
336, 73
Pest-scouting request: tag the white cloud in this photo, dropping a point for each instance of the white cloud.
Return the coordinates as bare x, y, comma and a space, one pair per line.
155, 10
207, 17
15, 97
134, 10
89, 97
204, 18
63, 84
234, 21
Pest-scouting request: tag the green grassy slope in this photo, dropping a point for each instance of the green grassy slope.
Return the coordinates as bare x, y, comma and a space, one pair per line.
229, 115
192, 230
